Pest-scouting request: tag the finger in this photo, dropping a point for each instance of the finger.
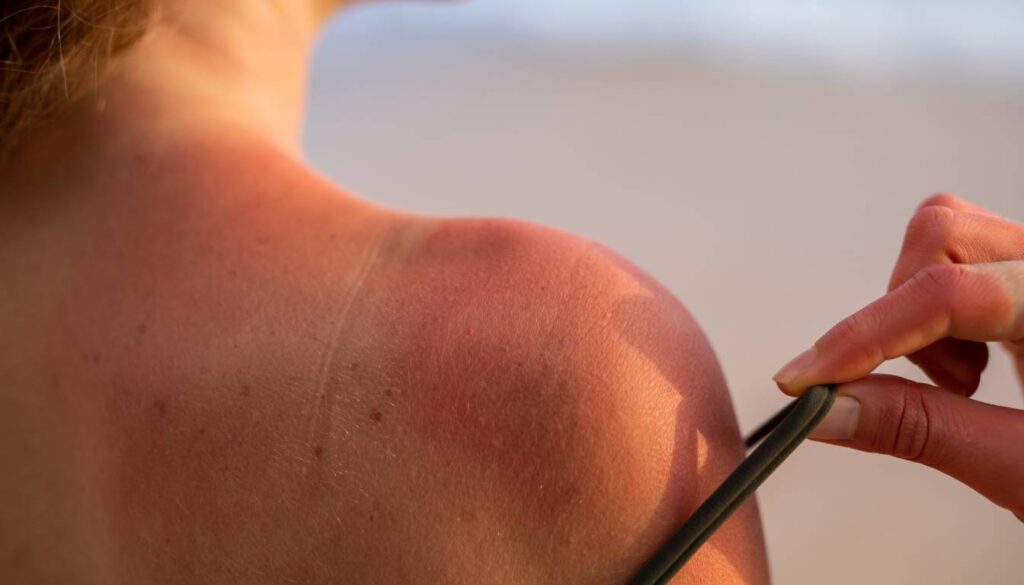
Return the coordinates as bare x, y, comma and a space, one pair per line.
976, 443
953, 202
948, 230
942, 235
981, 302
953, 364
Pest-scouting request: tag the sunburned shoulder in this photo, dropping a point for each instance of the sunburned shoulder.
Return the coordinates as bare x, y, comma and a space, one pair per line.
397, 400
571, 403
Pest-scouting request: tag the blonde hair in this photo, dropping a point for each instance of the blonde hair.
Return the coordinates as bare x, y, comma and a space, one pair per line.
52, 52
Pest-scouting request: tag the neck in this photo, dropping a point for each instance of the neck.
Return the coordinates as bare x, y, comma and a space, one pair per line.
205, 66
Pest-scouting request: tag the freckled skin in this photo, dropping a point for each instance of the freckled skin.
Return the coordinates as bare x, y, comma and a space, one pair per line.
243, 376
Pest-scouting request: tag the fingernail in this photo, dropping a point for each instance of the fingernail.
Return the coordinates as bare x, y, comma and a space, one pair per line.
796, 367
841, 421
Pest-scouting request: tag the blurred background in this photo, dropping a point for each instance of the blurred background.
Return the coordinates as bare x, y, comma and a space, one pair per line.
760, 158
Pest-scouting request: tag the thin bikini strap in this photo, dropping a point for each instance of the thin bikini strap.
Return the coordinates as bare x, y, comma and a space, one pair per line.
782, 433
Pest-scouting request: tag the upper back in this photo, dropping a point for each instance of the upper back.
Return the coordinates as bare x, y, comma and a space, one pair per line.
232, 375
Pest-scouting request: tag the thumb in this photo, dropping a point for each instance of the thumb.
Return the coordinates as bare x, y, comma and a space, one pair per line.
979, 444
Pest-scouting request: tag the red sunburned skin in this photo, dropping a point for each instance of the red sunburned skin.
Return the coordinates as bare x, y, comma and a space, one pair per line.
257, 384
513, 371
493, 373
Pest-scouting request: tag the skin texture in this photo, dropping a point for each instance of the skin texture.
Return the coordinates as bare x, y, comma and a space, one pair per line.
244, 385
219, 368
956, 286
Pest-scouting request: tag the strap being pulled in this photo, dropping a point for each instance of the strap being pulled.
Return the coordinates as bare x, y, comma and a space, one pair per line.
782, 434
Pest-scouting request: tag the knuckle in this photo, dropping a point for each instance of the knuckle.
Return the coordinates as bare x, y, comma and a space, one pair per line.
931, 227
941, 199
938, 280
997, 305
925, 428
913, 428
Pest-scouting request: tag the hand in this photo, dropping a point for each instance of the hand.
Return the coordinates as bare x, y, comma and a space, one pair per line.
958, 283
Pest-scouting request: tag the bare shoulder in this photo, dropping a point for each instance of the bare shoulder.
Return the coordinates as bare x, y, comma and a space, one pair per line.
574, 401
275, 386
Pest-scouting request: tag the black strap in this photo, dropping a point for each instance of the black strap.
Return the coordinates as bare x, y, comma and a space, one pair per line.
781, 436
